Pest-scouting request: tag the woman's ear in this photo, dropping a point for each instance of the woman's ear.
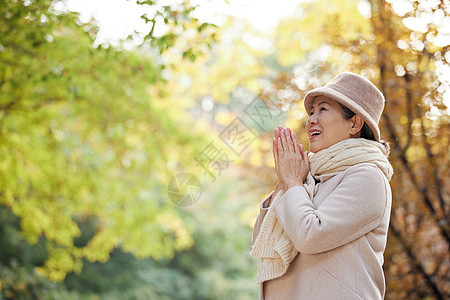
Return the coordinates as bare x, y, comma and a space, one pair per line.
356, 125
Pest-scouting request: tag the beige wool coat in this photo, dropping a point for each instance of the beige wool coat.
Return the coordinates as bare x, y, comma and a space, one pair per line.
340, 234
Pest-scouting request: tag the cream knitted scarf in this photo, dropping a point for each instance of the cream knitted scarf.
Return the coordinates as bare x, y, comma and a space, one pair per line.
274, 248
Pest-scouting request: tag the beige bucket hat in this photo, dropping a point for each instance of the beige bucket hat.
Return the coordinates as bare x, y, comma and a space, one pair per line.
356, 93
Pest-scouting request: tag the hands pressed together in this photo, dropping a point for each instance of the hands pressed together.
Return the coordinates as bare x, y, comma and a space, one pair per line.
291, 159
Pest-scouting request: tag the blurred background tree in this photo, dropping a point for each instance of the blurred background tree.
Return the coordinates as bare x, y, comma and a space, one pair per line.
90, 137
83, 144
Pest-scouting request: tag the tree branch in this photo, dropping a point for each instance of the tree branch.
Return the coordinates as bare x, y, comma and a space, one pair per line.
416, 262
432, 159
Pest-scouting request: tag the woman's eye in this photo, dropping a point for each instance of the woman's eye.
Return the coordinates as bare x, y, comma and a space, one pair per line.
323, 108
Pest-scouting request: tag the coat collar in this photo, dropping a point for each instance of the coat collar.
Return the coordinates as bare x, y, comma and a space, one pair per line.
325, 177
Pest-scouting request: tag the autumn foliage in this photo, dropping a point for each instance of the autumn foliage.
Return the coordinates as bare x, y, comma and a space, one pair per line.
90, 137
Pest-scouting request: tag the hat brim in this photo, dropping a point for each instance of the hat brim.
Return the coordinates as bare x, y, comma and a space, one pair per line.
343, 99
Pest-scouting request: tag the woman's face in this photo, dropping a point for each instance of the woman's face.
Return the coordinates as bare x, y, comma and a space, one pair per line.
326, 126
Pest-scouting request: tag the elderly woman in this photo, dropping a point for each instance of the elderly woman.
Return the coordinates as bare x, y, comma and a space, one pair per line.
321, 233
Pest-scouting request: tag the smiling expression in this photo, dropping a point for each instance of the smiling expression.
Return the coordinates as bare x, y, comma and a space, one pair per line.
326, 126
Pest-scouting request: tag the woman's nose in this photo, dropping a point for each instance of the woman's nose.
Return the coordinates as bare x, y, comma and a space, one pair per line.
312, 120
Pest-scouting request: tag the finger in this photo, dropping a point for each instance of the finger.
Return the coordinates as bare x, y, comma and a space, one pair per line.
306, 157
280, 147
302, 150
280, 129
289, 140
287, 144
274, 148
277, 133
276, 155
296, 145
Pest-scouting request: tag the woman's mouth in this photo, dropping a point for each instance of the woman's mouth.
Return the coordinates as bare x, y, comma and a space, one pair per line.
314, 133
